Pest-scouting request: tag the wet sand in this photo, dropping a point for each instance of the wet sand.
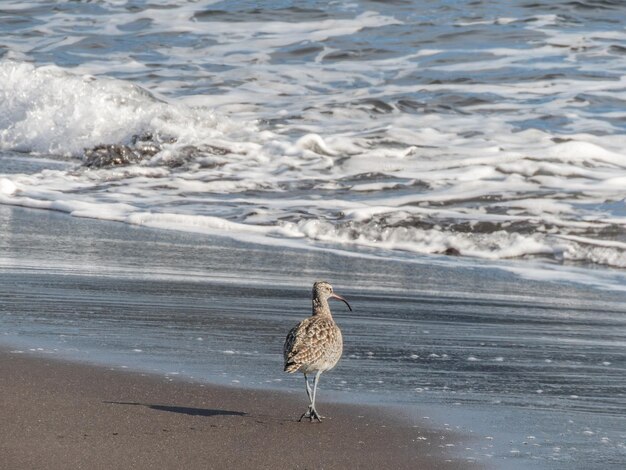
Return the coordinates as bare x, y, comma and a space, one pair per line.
59, 415
464, 349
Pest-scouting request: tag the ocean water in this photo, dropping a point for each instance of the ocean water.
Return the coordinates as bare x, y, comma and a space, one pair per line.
531, 374
491, 130
456, 168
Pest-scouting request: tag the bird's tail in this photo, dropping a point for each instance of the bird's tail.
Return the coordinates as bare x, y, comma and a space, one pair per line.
291, 367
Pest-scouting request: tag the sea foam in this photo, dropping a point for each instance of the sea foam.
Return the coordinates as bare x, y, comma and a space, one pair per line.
329, 131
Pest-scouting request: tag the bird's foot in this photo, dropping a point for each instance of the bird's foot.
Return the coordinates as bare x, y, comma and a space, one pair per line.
312, 414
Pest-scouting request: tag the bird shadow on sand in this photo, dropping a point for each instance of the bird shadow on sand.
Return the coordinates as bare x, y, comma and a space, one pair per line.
181, 409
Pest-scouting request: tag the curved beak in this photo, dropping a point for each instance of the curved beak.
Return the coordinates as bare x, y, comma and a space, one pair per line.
338, 297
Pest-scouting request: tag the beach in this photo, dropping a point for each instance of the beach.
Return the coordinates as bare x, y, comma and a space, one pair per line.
84, 407
57, 415
97, 316
176, 175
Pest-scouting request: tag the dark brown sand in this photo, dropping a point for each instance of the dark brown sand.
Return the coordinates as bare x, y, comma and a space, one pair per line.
58, 415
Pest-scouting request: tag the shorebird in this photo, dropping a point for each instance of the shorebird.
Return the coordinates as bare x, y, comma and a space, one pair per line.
315, 344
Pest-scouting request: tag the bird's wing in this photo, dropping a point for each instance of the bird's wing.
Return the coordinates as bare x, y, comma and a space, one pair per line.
290, 341
307, 342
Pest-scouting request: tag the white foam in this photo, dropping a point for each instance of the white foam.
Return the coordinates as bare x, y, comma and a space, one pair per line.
321, 153
47, 110
7, 186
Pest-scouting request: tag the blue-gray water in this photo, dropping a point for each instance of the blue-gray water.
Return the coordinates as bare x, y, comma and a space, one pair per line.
493, 130
267, 147
532, 371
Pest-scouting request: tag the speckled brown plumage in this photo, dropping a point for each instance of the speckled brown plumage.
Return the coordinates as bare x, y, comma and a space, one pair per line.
315, 344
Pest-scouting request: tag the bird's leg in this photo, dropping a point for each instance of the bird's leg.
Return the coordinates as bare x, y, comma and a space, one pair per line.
307, 413
308, 389
314, 413
311, 412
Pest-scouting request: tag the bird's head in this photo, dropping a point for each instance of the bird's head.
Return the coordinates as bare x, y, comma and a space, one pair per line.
323, 290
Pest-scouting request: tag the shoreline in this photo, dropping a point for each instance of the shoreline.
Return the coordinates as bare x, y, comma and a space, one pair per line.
59, 414
472, 350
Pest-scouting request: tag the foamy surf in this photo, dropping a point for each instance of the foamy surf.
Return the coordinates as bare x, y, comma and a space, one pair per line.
51, 111
454, 137
488, 203
324, 132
